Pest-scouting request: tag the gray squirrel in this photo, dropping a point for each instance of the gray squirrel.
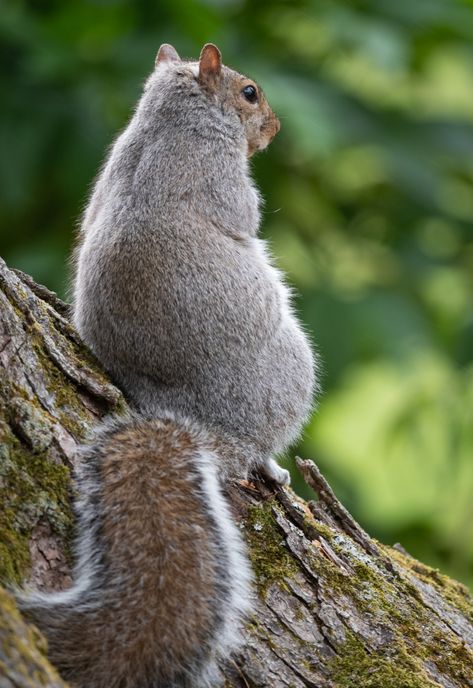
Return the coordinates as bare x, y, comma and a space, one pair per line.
177, 297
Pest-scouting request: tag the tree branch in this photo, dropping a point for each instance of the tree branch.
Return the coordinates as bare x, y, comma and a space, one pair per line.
332, 608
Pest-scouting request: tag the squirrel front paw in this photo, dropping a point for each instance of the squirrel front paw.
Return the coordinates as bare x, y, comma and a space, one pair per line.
273, 471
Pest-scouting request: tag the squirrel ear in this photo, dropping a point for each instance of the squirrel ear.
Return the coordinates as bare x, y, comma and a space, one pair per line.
167, 53
210, 64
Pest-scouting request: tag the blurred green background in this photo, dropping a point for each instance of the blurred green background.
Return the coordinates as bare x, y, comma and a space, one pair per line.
369, 207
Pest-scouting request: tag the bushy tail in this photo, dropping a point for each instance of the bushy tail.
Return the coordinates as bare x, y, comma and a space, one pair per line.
161, 580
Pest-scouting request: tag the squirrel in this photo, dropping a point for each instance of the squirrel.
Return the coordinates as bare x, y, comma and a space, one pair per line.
178, 298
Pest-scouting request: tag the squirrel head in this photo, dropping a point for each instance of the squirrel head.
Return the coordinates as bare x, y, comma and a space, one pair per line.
229, 94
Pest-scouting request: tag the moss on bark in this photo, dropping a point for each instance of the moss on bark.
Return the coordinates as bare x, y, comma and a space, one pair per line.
23, 661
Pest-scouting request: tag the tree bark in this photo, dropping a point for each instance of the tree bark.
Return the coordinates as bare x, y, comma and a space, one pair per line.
332, 607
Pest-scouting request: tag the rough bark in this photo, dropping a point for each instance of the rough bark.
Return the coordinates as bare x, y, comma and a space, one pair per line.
332, 607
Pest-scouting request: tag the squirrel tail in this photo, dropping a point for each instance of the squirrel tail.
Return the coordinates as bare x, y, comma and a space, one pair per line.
162, 579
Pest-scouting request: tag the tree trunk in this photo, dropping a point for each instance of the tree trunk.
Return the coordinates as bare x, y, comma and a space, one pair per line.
332, 607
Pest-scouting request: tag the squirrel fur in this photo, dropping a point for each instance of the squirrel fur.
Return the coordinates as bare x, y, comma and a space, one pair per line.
177, 297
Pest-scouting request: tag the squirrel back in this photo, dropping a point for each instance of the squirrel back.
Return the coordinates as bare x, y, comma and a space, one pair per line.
161, 580
174, 291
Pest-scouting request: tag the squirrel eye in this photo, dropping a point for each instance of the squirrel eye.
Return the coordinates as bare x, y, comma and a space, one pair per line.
250, 94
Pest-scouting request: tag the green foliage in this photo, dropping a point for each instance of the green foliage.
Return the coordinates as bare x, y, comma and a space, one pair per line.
369, 206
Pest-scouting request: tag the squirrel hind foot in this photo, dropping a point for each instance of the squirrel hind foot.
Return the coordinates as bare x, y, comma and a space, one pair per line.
274, 472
